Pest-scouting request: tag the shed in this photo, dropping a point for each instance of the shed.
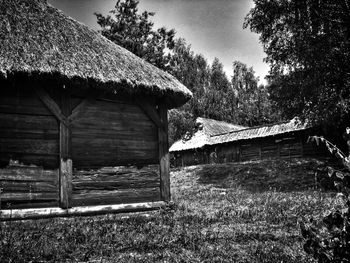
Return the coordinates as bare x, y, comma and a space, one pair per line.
280, 140
83, 122
193, 150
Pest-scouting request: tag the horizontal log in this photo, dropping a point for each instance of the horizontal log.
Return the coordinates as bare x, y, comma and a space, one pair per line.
35, 174
23, 105
25, 205
98, 197
20, 214
19, 196
23, 145
43, 160
23, 186
112, 185
20, 121
42, 134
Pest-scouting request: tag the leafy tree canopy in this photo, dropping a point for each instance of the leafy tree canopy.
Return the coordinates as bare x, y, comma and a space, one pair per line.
135, 32
308, 49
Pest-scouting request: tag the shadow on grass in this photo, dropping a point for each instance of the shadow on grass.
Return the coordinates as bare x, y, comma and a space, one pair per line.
267, 175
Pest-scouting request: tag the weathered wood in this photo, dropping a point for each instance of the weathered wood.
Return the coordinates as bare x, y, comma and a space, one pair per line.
151, 111
19, 214
34, 187
99, 197
30, 174
51, 105
25, 205
44, 160
24, 145
81, 107
20, 196
23, 105
114, 178
164, 154
110, 133
27, 122
66, 166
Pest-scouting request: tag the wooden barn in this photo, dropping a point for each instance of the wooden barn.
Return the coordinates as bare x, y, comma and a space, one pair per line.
83, 122
281, 140
190, 152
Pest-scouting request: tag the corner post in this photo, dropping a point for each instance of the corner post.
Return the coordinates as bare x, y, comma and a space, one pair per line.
66, 166
164, 154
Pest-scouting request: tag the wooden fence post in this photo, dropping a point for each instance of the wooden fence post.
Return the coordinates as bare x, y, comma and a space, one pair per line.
164, 154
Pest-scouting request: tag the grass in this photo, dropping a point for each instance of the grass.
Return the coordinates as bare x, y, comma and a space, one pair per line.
223, 213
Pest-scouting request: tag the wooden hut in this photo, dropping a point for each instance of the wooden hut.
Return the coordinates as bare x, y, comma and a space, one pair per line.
281, 140
83, 122
193, 150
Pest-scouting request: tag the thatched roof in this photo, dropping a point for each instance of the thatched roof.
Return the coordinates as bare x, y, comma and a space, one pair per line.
39, 40
206, 129
241, 134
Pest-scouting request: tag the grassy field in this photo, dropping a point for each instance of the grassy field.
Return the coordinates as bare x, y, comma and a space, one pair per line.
244, 212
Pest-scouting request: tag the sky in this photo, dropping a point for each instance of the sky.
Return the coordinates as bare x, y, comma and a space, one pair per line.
213, 28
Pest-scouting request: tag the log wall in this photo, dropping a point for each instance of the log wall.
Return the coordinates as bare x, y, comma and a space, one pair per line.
28, 130
111, 133
282, 146
112, 157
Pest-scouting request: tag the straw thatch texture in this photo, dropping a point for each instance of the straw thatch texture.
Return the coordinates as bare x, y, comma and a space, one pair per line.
38, 39
201, 139
206, 129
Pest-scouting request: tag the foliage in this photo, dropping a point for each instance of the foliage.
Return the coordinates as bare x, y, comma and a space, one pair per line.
219, 219
329, 241
252, 101
308, 48
180, 123
135, 32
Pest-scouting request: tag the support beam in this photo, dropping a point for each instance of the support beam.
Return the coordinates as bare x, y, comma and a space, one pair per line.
164, 154
66, 166
151, 112
51, 105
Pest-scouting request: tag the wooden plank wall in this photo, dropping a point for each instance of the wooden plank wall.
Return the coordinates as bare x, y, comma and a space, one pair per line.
116, 185
28, 131
27, 187
112, 133
283, 146
118, 134
29, 137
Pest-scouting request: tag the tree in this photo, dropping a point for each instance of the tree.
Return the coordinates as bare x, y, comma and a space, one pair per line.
135, 32
250, 102
308, 49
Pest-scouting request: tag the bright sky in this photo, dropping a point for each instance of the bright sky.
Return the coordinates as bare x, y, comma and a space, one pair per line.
214, 28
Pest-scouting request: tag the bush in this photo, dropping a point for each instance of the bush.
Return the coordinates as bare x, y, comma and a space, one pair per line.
329, 240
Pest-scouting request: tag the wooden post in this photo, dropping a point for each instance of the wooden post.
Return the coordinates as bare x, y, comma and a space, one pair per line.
66, 166
164, 154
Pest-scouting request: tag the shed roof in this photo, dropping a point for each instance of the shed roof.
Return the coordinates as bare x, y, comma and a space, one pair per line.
38, 39
260, 132
241, 134
213, 127
206, 129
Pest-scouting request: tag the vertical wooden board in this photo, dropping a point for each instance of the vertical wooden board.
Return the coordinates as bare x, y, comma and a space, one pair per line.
66, 166
164, 154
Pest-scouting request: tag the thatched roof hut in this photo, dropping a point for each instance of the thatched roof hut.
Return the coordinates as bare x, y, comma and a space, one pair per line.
83, 122
38, 39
